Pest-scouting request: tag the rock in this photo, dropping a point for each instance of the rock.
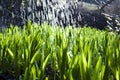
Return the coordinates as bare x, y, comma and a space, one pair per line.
55, 12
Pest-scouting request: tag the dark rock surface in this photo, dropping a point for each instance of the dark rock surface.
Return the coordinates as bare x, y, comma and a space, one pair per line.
56, 12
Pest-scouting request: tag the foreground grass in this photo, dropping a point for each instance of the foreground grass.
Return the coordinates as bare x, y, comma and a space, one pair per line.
53, 53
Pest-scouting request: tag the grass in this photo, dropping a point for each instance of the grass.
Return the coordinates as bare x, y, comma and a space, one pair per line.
46, 52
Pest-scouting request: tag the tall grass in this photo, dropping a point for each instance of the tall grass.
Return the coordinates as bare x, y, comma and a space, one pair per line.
46, 52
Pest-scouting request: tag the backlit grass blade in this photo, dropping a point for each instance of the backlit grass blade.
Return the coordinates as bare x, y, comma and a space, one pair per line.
102, 72
10, 53
64, 55
33, 73
45, 62
26, 74
35, 57
97, 69
43, 66
117, 75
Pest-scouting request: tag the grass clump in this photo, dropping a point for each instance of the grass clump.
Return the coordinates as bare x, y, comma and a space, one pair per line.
46, 52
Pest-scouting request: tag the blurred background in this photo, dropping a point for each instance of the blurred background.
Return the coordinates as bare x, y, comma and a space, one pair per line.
59, 12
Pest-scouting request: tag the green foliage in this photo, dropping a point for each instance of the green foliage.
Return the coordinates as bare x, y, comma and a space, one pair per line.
46, 52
